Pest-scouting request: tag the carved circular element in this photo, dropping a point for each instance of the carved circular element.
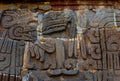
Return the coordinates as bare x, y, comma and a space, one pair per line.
7, 21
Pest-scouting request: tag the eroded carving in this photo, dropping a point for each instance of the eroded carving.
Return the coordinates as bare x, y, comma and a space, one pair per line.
57, 56
17, 27
64, 47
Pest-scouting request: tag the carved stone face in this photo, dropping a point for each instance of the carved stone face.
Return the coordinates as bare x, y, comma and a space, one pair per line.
59, 24
20, 25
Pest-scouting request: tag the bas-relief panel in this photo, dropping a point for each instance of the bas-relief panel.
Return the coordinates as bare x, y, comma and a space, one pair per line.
66, 45
17, 27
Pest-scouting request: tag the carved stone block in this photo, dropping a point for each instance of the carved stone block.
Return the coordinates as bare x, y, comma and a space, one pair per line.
64, 45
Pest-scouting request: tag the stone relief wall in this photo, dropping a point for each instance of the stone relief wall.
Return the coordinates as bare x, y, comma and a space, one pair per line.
63, 45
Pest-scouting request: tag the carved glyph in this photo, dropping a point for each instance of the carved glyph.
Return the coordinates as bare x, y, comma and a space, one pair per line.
16, 28
65, 45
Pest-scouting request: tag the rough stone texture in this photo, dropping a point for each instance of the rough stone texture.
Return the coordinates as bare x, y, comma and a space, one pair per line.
60, 45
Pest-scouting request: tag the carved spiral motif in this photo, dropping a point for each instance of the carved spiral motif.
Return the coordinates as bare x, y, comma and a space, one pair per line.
70, 64
16, 32
7, 21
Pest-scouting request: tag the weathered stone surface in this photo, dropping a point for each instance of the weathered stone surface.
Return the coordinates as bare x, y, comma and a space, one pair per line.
17, 27
62, 45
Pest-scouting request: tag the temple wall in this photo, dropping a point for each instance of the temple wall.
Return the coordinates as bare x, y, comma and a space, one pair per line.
56, 41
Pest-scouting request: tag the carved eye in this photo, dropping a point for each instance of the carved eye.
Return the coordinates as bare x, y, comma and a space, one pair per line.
53, 15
